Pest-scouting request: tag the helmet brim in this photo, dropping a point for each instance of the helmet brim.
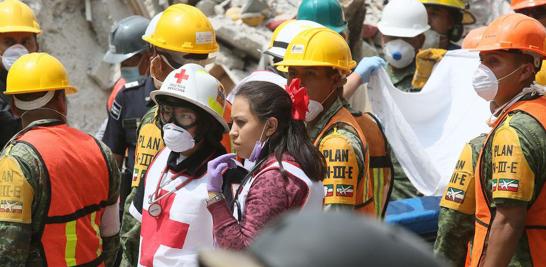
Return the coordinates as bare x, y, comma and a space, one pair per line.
114, 58
7, 29
401, 32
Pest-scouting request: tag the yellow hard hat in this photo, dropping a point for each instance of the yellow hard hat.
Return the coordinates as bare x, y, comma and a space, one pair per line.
468, 17
37, 72
184, 28
540, 78
16, 16
318, 47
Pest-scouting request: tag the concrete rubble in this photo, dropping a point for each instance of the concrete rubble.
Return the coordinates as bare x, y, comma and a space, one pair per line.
77, 33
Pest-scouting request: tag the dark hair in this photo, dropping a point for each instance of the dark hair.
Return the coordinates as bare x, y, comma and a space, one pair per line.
268, 100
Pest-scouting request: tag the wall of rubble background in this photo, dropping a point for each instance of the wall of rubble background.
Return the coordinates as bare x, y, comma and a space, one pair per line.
76, 31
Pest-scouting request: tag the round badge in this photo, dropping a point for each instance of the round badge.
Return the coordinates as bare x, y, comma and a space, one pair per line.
154, 210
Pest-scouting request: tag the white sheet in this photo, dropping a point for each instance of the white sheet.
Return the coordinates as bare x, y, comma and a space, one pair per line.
427, 130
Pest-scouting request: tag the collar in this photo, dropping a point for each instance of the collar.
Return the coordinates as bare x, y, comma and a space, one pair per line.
325, 118
399, 75
196, 164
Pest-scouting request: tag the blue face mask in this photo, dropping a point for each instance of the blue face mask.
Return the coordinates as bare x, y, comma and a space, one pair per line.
130, 74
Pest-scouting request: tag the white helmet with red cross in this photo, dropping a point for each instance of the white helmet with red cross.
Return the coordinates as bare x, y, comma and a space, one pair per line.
193, 84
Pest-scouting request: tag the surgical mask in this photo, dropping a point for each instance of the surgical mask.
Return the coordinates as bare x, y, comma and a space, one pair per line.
130, 74
313, 110
13, 53
432, 39
399, 53
485, 82
177, 139
257, 150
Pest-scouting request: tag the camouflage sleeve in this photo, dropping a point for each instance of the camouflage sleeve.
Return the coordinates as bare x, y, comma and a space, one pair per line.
345, 169
19, 203
115, 176
110, 248
455, 231
130, 234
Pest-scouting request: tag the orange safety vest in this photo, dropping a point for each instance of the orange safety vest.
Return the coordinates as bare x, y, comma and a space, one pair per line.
535, 223
381, 169
365, 204
78, 184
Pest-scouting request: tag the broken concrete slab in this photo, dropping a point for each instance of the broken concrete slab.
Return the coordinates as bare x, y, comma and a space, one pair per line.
248, 39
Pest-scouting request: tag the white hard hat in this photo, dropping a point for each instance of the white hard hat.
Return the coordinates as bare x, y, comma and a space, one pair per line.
258, 76
404, 18
193, 84
284, 34
151, 26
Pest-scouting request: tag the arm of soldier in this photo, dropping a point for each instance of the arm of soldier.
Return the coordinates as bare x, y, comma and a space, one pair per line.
513, 189
113, 135
506, 230
457, 207
16, 205
130, 233
344, 157
110, 223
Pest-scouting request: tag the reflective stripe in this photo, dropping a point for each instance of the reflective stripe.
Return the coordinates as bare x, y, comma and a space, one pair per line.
97, 232
71, 240
378, 183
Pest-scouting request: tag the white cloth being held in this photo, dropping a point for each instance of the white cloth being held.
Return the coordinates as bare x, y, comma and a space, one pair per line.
428, 129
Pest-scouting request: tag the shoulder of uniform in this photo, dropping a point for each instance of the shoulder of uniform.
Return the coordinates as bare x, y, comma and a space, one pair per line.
343, 141
525, 126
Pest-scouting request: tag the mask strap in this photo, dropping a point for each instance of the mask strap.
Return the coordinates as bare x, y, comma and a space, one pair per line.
263, 131
33, 104
510, 74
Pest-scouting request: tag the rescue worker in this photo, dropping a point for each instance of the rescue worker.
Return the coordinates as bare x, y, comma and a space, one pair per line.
446, 19
172, 35
59, 205
457, 207
174, 196
321, 59
510, 170
458, 203
268, 129
132, 101
535, 9
18, 30
325, 12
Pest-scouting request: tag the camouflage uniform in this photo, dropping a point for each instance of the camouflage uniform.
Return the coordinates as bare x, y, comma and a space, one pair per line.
340, 137
527, 141
19, 242
402, 187
456, 220
130, 227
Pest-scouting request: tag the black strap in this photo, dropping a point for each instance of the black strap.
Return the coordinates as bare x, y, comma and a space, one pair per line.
280, 44
76, 215
380, 162
93, 263
482, 223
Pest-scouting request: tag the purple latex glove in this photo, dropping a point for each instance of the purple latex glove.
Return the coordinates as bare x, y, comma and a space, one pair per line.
216, 169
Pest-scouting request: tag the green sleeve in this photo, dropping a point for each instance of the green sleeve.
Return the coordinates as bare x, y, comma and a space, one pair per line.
110, 248
455, 231
130, 234
14, 243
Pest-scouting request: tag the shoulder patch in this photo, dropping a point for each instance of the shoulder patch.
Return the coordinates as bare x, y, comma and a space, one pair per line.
115, 111
341, 180
16, 194
149, 143
460, 192
512, 176
132, 84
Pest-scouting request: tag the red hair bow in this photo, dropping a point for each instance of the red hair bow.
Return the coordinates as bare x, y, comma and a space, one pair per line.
300, 99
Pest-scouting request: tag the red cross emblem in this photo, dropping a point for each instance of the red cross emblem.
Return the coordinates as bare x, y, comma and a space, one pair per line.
161, 231
181, 76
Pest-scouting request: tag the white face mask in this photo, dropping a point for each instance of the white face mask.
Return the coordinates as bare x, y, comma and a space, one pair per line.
432, 39
177, 138
13, 53
314, 109
485, 82
399, 53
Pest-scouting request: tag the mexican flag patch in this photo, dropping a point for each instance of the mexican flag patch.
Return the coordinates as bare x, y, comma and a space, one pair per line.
344, 190
493, 185
511, 185
329, 190
455, 195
